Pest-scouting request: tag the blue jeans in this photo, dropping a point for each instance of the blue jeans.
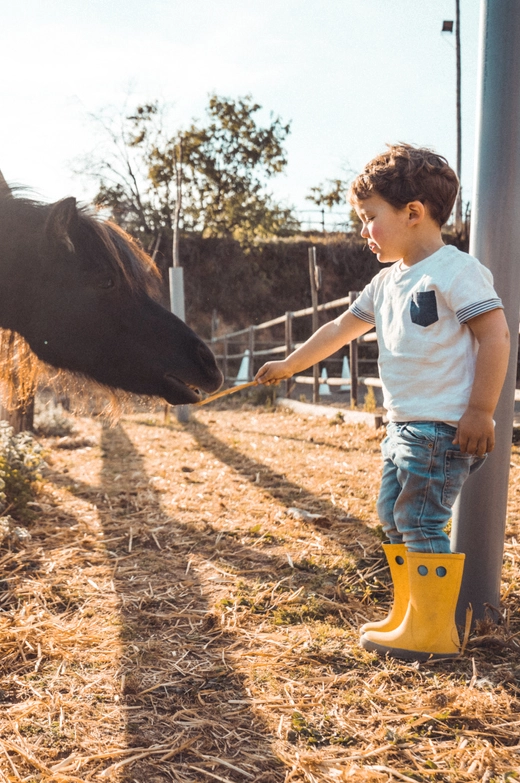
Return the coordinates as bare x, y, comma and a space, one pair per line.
423, 473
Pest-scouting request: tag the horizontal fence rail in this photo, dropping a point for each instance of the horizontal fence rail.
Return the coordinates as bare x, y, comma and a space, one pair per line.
246, 343
253, 349
281, 318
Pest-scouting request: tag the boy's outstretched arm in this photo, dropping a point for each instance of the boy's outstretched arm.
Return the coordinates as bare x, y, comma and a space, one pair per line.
328, 339
476, 430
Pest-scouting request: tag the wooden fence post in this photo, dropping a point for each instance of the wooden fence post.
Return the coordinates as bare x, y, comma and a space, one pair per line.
225, 372
251, 367
354, 369
21, 419
288, 347
315, 284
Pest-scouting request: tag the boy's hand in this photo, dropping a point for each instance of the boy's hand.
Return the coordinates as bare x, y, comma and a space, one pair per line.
273, 372
475, 433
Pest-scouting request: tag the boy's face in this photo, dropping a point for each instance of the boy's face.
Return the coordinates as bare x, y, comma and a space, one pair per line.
385, 227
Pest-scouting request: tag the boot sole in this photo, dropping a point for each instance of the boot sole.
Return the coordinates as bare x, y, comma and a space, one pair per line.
407, 655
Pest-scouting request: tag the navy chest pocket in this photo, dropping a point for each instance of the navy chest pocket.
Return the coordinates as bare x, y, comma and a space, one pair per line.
423, 308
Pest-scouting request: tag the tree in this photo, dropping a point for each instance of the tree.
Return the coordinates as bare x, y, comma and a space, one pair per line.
333, 193
211, 177
329, 194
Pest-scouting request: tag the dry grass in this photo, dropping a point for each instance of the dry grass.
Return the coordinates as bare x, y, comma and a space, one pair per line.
171, 619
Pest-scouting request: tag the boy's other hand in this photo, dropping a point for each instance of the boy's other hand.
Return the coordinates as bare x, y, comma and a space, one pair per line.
475, 433
272, 372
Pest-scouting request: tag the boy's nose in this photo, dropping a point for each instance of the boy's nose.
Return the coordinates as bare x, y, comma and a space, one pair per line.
364, 232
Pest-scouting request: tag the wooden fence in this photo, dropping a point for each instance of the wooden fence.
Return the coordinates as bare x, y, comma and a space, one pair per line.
226, 350
247, 339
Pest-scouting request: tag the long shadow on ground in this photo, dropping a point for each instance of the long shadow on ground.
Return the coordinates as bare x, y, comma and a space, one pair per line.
187, 705
178, 684
332, 520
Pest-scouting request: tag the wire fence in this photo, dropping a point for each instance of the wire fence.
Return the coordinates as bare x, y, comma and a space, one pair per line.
324, 220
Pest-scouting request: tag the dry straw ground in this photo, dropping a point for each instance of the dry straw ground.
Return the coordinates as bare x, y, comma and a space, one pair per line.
172, 619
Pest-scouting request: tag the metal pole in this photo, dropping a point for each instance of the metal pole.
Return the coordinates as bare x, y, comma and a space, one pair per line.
178, 202
315, 320
480, 513
458, 203
177, 292
354, 369
177, 308
176, 272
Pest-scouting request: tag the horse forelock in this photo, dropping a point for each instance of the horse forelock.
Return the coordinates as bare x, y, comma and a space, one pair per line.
123, 254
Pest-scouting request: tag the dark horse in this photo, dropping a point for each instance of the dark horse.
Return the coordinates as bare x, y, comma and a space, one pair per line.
80, 292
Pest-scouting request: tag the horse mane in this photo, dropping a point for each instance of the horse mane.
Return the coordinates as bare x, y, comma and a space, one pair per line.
123, 254
21, 371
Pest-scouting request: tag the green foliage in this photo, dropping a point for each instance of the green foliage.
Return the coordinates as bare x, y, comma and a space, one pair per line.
316, 734
52, 421
312, 609
211, 176
331, 193
224, 166
263, 395
20, 464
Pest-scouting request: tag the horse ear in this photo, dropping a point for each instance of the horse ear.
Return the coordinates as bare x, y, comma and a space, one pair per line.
62, 220
5, 190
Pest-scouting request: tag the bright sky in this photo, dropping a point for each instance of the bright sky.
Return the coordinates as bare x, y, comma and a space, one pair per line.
349, 74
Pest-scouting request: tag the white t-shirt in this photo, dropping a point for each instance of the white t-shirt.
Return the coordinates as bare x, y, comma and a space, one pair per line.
427, 353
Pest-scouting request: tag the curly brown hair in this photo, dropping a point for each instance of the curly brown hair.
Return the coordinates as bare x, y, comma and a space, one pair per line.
406, 173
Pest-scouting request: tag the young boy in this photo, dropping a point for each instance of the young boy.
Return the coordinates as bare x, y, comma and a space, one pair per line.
443, 353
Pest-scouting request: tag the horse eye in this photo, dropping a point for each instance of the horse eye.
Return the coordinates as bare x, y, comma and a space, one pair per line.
106, 283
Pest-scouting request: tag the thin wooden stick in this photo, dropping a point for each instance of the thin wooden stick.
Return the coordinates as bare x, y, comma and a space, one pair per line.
27, 756
467, 629
211, 774
164, 751
224, 393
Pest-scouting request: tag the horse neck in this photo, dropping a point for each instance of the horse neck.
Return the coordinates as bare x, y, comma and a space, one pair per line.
18, 259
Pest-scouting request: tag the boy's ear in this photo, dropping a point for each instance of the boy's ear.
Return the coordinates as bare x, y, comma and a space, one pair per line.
416, 212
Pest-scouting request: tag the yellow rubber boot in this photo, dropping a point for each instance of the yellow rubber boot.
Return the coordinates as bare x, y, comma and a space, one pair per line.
428, 628
396, 556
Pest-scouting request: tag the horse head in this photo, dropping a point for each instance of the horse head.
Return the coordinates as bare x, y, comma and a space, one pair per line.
83, 295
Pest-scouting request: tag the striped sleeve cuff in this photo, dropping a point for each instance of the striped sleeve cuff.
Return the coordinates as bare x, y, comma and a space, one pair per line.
359, 313
472, 310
